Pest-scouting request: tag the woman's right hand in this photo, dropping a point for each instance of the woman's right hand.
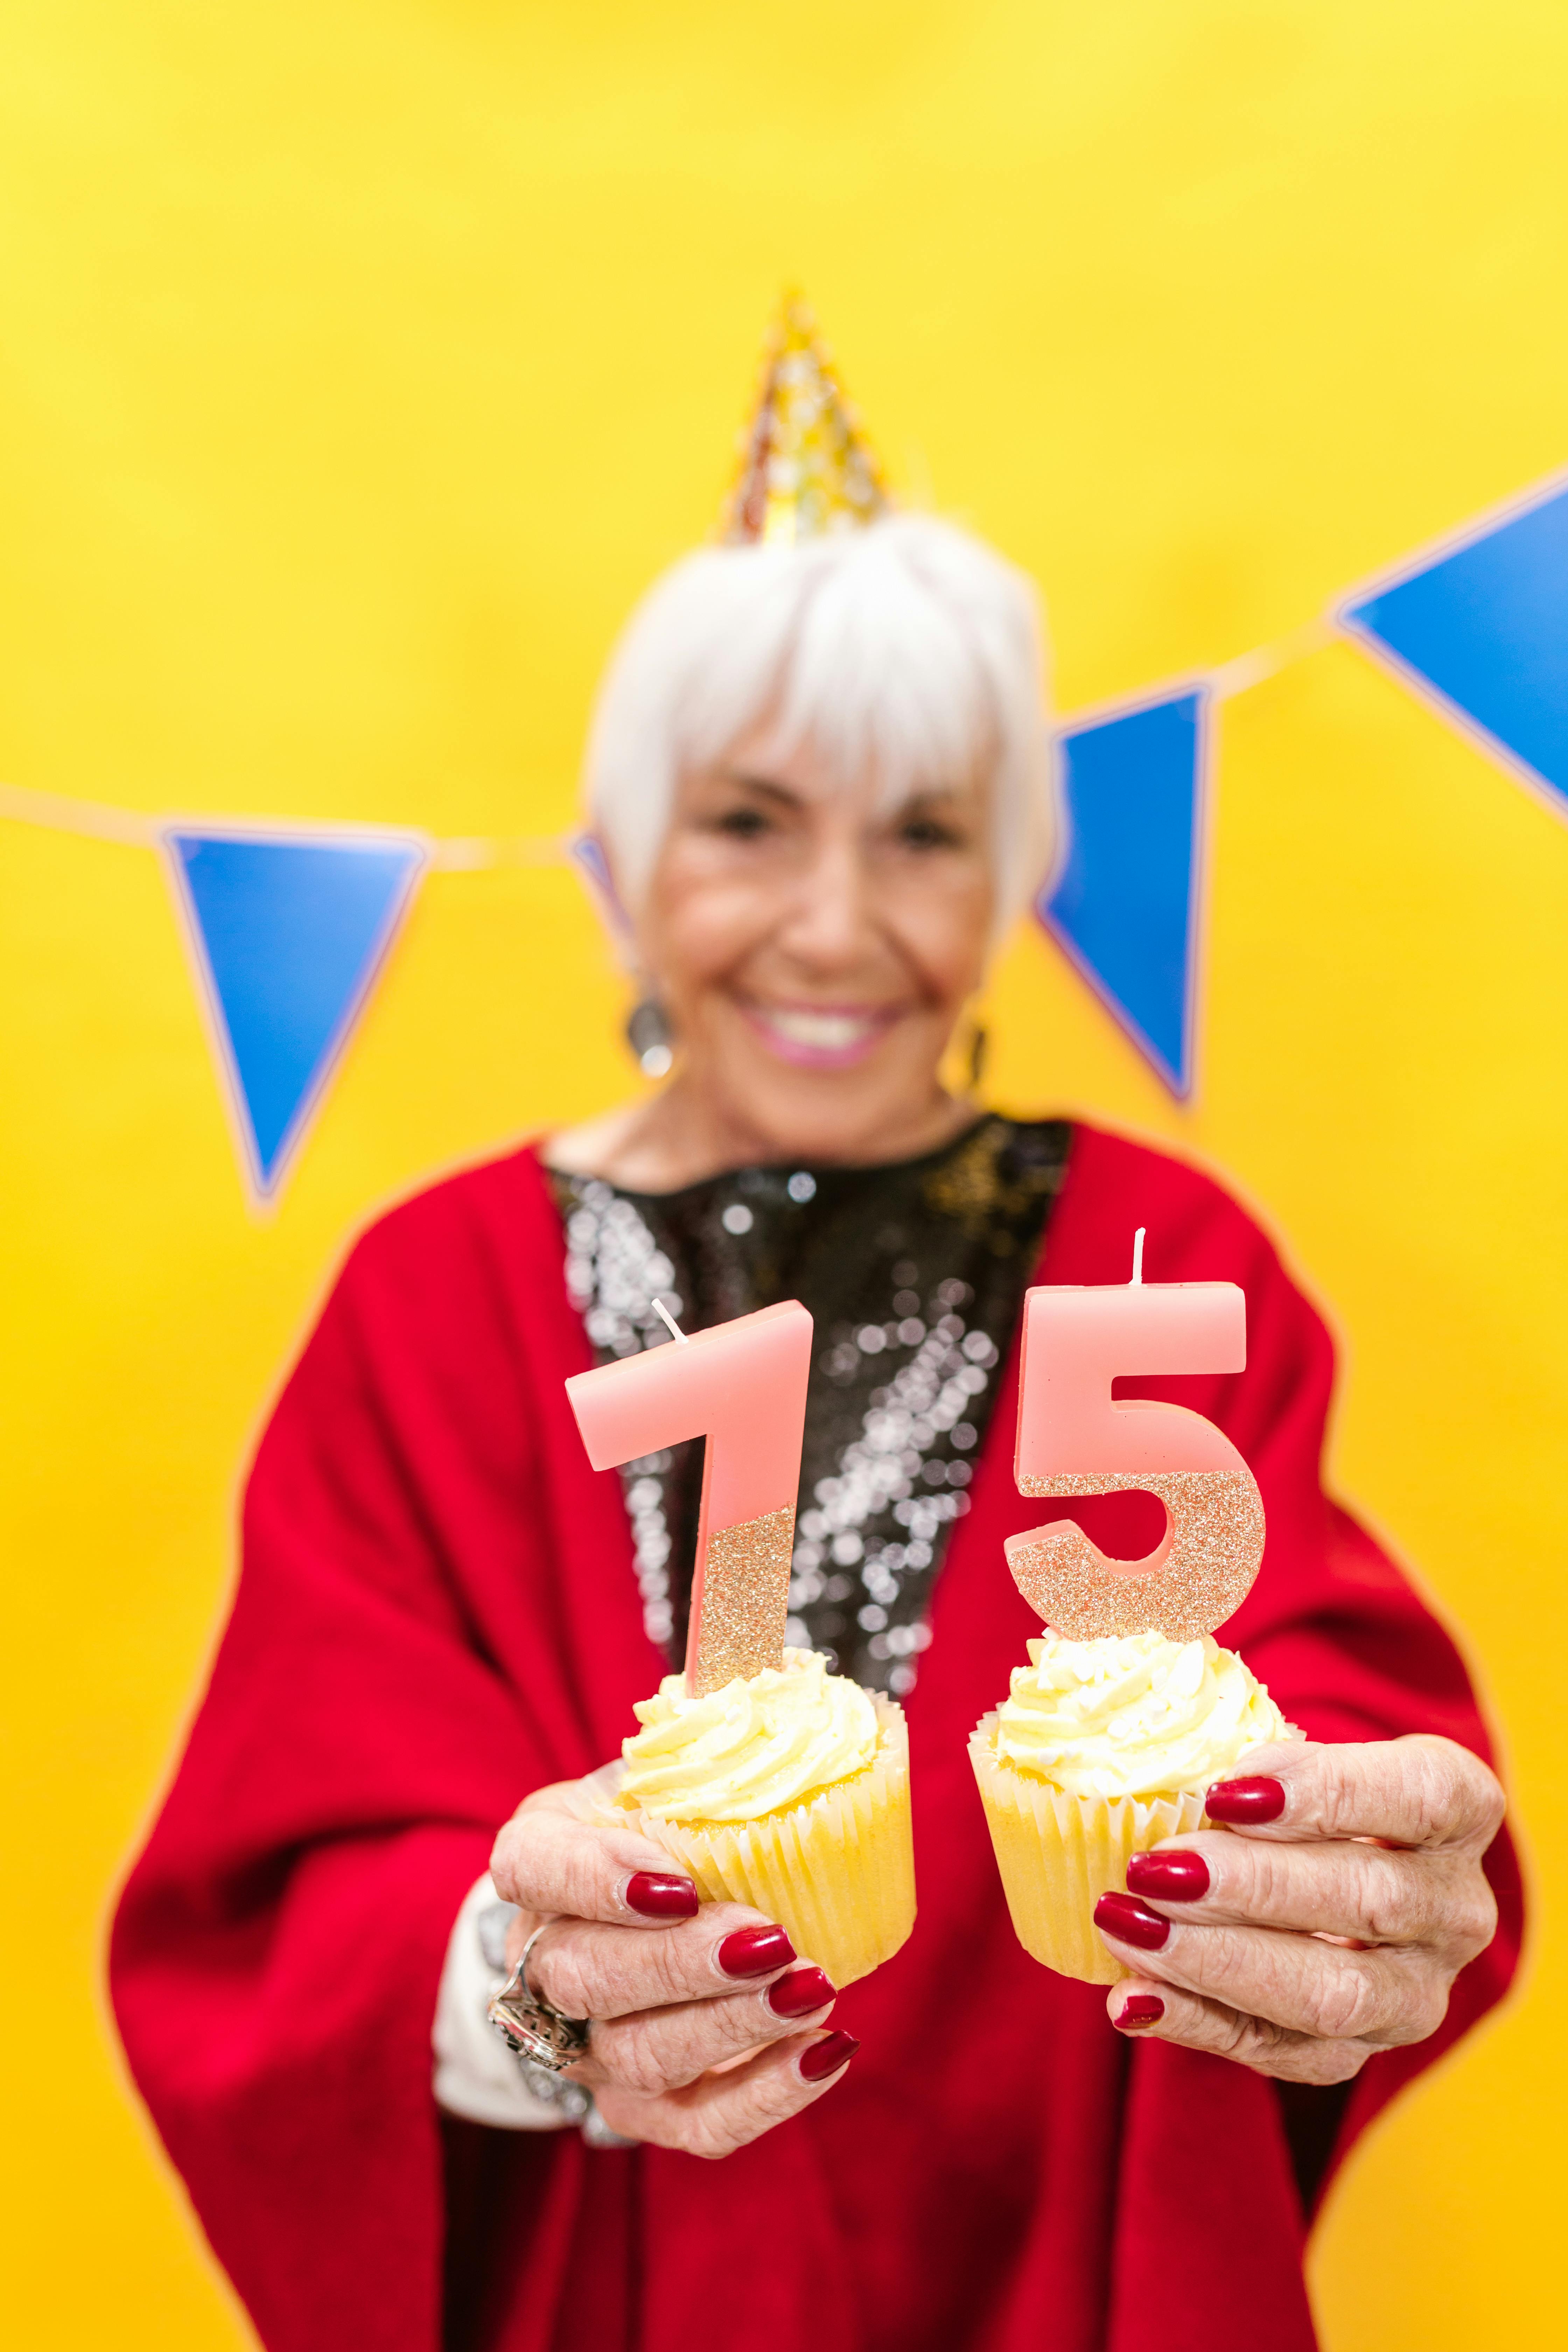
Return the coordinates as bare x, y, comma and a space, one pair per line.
705, 2025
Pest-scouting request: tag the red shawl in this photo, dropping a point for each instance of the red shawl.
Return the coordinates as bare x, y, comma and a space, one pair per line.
437, 1613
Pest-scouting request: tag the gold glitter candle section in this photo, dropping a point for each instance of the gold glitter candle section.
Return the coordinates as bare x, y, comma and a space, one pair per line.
1216, 1546
737, 1613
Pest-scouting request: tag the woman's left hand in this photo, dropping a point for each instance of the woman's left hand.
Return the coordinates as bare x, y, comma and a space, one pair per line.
1326, 1920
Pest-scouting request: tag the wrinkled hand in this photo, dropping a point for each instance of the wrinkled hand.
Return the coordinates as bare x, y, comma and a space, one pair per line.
1328, 1921
704, 2034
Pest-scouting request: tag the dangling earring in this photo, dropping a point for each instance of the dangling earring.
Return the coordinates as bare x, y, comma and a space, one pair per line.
648, 1035
979, 1044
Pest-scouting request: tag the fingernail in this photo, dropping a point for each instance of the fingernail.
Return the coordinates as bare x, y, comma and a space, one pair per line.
826, 2057
1131, 1922
800, 1991
1139, 2009
659, 1895
753, 1951
1251, 1800
1168, 1878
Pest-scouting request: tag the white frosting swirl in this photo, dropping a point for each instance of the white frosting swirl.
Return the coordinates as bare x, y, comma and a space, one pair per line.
1133, 1715
750, 1748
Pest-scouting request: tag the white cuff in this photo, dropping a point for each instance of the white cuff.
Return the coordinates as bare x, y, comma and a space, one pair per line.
476, 2076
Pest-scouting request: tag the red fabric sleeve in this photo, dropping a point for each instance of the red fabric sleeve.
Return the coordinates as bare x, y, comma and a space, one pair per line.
1332, 1625
278, 1950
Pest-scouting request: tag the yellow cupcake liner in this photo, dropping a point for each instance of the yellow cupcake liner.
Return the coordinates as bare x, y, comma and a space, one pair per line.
836, 1871
1059, 1853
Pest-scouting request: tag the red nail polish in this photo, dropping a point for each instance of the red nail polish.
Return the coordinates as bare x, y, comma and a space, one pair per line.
1168, 1878
800, 1991
1246, 1801
659, 1895
755, 1951
1131, 1922
1138, 2010
826, 2057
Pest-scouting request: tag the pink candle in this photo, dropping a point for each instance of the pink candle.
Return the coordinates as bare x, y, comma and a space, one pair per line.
742, 1386
1076, 1438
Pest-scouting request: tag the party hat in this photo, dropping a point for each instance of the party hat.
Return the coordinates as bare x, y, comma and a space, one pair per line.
804, 469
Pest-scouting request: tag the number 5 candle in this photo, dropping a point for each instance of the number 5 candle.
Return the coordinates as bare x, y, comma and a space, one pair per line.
1076, 1438
1109, 1738
741, 1385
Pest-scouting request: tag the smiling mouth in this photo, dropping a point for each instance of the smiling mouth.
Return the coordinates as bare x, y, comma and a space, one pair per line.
821, 1037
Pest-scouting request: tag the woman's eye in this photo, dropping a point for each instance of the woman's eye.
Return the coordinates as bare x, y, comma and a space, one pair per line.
742, 824
926, 832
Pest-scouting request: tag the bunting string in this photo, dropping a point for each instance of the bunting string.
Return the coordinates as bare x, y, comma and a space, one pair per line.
101, 820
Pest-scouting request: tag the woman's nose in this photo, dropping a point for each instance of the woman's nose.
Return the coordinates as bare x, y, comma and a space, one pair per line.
829, 918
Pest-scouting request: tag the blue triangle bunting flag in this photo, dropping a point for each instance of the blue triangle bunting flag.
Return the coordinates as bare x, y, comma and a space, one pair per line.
289, 934
1125, 905
1482, 630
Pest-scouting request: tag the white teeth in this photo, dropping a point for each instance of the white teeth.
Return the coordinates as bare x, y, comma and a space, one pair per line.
828, 1033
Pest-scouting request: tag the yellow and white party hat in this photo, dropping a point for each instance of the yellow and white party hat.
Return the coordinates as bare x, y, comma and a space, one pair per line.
805, 467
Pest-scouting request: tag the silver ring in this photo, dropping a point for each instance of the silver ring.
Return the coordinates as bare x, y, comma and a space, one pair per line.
529, 2025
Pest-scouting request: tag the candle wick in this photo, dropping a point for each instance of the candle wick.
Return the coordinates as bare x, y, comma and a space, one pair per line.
1137, 1255
676, 1332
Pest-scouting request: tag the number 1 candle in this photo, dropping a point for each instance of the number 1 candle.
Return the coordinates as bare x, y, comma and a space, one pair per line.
1076, 1438
741, 1385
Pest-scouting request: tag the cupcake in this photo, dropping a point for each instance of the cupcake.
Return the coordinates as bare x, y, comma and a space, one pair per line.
790, 1792
1101, 1750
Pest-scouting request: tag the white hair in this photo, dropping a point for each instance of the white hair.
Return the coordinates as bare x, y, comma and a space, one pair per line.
908, 648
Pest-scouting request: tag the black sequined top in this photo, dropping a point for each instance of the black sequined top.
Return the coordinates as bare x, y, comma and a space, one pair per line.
913, 1275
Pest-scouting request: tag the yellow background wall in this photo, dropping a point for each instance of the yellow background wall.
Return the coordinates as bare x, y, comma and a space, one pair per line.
360, 363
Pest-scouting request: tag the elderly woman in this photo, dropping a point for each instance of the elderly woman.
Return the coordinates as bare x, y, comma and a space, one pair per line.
820, 778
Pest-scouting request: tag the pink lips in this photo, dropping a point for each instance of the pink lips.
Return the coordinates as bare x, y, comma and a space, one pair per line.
822, 1036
